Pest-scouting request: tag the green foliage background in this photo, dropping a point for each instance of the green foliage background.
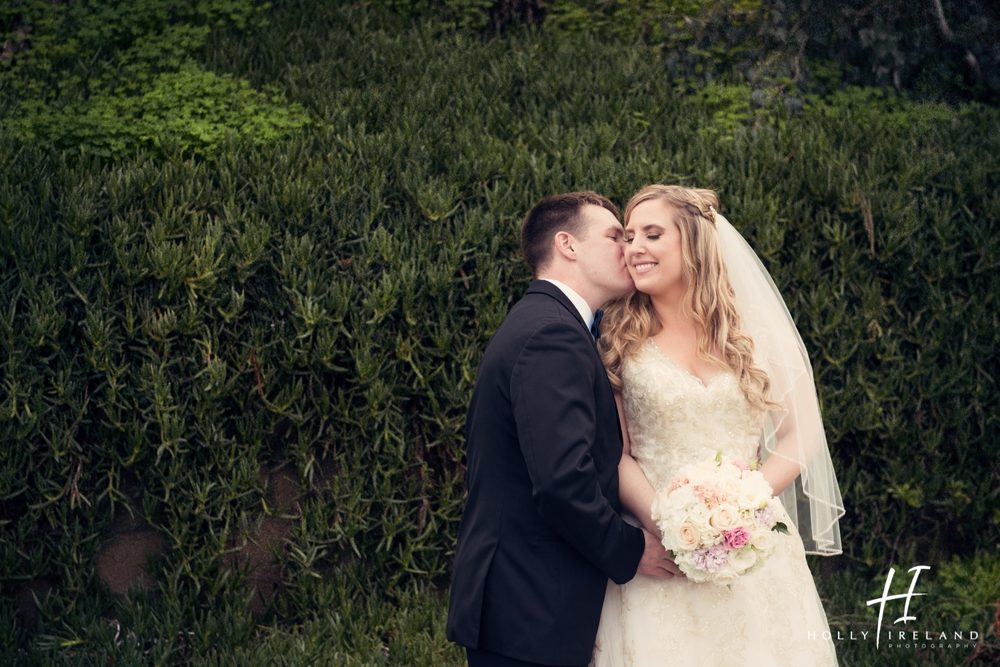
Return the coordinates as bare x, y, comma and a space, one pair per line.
210, 282
106, 77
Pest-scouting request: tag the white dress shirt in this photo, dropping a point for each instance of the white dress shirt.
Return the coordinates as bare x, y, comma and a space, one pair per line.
585, 312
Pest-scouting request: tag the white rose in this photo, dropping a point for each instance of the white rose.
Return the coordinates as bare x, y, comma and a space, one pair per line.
724, 517
698, 515
753, 502
686, 536
755, 486
708, 535
683, 495
763, 541
731, 472
730, 487
742, 560
726, 575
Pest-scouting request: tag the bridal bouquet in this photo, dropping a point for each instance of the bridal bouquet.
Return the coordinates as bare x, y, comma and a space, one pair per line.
718, 518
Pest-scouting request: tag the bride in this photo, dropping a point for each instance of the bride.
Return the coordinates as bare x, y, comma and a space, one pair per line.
705, 358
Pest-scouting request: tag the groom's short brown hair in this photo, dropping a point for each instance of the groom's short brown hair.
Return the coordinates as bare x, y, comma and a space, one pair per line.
552, 214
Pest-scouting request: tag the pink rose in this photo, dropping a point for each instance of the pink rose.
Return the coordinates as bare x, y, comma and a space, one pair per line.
737, 538
741, 464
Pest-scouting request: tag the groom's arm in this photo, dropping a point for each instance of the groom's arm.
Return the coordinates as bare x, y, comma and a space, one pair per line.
633, 487
552, 395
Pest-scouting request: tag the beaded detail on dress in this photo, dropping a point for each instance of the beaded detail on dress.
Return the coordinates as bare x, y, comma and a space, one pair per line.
674, 418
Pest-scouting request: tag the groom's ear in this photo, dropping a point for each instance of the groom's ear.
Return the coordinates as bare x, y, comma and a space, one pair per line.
563, 243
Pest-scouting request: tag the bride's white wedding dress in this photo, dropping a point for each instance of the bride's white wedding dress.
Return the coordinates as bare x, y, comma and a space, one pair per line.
771, 616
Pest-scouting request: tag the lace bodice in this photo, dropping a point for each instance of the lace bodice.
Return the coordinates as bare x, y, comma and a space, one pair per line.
674, 419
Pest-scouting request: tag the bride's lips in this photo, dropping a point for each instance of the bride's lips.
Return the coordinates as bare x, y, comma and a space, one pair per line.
645, 267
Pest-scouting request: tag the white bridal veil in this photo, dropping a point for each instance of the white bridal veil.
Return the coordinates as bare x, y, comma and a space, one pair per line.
794, 433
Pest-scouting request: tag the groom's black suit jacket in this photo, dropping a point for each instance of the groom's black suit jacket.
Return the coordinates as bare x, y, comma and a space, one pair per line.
541, 534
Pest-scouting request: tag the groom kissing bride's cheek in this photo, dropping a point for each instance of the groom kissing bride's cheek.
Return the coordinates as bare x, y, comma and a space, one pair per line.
589, 450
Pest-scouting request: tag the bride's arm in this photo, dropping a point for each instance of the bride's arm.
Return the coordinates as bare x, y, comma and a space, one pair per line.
779, 472
635, 491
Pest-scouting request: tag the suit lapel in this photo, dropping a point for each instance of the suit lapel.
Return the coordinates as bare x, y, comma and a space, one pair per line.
547, 288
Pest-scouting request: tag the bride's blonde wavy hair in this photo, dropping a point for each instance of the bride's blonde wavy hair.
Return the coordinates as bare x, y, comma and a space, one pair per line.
708, 299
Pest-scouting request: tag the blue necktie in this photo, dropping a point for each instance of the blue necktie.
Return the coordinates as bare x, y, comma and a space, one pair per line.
595, 328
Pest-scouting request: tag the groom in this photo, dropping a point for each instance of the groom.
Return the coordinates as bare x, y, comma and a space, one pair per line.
541, 534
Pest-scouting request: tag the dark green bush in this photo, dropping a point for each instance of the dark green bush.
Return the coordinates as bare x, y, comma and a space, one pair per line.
173, 328
932, 50
107, 78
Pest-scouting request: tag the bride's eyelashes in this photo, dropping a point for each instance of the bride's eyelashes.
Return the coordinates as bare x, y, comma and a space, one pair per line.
649, 237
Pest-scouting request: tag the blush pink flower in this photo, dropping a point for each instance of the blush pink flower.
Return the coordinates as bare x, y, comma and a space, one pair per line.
678, 483
737, 538
709, 495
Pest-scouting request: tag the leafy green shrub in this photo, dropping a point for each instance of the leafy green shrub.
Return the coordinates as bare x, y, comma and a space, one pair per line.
143, 88
462, 14
191, 109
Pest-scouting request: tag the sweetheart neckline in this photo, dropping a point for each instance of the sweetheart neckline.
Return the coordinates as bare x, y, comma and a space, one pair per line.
663, 355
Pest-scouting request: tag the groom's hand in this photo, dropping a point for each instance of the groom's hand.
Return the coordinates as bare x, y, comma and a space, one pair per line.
656, 562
